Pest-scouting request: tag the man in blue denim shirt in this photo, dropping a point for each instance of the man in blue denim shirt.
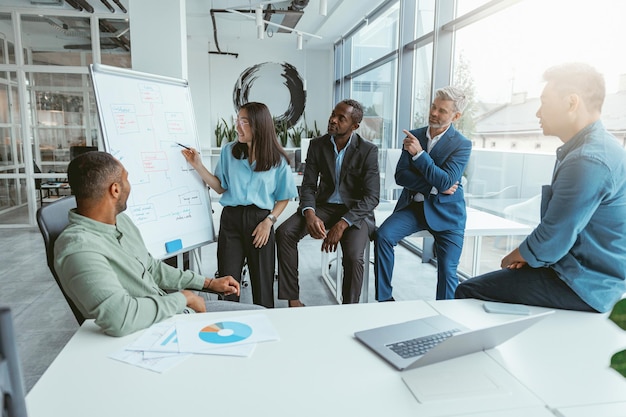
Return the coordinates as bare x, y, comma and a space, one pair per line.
576, 257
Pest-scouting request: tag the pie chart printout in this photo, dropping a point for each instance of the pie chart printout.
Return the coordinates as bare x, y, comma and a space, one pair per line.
225, 332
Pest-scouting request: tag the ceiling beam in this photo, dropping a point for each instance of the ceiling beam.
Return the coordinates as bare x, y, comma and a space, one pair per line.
85, 5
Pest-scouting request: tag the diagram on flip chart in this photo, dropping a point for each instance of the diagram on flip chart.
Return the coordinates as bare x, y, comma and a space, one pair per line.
145, 119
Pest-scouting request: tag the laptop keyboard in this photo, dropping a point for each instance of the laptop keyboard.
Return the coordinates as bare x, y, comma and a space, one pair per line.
419, 346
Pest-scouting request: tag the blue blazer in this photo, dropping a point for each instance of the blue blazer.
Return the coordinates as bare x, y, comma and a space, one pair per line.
440, 168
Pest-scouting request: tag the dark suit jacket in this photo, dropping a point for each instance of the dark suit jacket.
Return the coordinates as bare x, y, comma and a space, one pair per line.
359, 182
440, 169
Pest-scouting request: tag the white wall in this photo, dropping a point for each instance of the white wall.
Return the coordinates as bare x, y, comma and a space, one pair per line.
158, 43
198, 68
212, 78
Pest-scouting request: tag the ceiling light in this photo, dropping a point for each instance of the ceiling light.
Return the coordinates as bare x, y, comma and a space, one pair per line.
258, 14
299, 40
323, 7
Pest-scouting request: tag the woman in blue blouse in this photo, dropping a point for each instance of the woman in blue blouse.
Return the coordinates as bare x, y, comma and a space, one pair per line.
255, 180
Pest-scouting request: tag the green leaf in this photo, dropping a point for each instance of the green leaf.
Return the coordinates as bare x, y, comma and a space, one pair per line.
618, 362
296, 135
219, 133
618, 315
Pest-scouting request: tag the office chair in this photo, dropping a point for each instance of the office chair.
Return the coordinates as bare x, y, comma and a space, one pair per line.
52, 219
299, 165
12, 392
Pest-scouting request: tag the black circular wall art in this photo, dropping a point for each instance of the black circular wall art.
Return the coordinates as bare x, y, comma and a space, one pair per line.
278, 85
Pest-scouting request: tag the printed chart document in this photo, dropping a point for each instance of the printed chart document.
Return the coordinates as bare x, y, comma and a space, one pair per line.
154, 361
164, 345
201, 336
156, 364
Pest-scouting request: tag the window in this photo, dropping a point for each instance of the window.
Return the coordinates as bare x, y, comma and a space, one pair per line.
375, 90
425, 18
503, 58
376, 39
423, 62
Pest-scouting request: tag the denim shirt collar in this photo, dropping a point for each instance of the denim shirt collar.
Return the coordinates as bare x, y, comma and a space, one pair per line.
577, 140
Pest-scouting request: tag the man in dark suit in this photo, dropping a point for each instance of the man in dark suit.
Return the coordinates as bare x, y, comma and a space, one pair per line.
430, 169
339, 192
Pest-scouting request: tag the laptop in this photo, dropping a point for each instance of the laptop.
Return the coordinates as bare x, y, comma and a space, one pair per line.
437, 338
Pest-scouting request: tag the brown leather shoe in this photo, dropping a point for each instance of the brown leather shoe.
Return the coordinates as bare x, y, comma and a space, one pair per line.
295, 303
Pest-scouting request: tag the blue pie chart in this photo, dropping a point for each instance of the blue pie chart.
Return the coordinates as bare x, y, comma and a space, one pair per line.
225, 332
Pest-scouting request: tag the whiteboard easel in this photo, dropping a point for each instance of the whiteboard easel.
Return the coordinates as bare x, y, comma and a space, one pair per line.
143, 118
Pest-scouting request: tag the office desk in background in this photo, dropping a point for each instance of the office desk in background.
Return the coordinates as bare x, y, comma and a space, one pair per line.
53, 191
479, 224
318, 368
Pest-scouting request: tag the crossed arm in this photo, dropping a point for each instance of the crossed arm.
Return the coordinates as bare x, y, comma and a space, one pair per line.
423, 173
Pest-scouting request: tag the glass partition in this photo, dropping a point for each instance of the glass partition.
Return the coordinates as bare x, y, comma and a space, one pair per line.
115, 43
7, 48
63, 117
60, 105
57, 40
13, 182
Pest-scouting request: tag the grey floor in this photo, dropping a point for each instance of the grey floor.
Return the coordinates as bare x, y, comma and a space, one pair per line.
44, 323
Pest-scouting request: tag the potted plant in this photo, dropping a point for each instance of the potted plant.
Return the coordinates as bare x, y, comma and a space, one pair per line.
230, 132
224, 132
296, 135
282, 131
220, 134
311, 133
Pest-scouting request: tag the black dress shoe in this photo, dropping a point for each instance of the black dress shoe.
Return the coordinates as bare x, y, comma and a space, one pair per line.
390, 299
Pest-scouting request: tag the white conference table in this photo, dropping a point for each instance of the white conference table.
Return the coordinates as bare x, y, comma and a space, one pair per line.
318, 368
479, 224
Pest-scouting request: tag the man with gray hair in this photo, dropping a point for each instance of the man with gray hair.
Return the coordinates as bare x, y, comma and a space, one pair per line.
432, 162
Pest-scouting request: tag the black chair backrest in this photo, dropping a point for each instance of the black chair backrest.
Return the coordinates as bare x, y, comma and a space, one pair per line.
37, 171
52, 219
298, 164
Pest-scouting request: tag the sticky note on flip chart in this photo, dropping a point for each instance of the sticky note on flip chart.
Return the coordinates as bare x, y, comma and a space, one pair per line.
173, 246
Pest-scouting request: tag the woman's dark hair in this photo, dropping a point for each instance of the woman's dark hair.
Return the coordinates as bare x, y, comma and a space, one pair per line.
265, 145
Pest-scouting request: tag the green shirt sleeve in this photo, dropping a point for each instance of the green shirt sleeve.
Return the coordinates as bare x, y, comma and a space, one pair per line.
92, 284
111, 277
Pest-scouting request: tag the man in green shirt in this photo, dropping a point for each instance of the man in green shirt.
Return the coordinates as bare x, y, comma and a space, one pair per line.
104, 265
